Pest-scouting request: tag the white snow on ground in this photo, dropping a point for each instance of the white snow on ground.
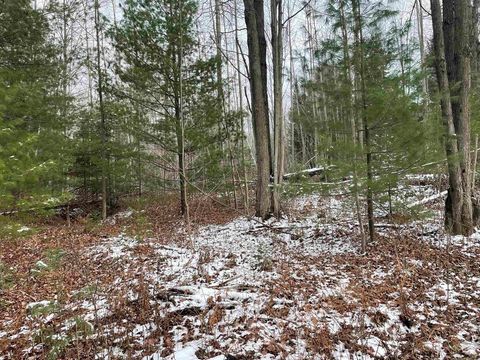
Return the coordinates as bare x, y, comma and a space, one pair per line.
262, 289
428, 199
112, 220
38, 304
185, 353
117, 247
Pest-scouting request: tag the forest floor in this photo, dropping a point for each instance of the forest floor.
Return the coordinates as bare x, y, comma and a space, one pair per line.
142, 286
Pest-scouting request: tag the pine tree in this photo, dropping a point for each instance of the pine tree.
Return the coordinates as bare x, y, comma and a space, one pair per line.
33, 151
156, 41
362, 84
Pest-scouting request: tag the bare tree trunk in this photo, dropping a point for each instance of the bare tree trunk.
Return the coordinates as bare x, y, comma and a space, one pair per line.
103, 127
139, 170
463, 56
312, 44
277, 51
366, 131
65, 80
402, 64
254, 18
240, 105
177, 60
218, 45
474, 40
180, 134
304, 145
453, 207
457, 36
87, 44
474, 166
421, 41
349, 80
291, 70
221, 93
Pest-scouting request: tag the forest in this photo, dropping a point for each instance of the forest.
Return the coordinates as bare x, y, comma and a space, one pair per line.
239, 179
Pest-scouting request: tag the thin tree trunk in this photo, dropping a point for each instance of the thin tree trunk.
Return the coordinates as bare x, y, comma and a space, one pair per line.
277, 51
474, 40
348, 78
240, 105
474, 167
221, 93
65, 80
180, 121
366, 130
87, 44
103, 128
177, 59
311, 40
421, 41
292, 125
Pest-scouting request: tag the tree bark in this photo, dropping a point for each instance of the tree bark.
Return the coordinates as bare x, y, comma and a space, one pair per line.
452, 65
246, 200
366, 131
177, 58
291, 73
457, 37
103, 128
351, 112
277, 52
254, 18
421, 41
474, 39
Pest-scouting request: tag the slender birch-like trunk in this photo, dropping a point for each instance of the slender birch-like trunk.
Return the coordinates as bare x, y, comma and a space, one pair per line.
103, 127
277, 51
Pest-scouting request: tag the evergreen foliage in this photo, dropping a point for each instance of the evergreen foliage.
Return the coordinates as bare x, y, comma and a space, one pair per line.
34, 153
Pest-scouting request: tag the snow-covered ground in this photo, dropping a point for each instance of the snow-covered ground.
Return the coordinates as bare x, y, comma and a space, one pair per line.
297, 288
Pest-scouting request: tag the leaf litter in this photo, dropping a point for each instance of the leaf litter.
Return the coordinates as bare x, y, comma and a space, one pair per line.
295, 288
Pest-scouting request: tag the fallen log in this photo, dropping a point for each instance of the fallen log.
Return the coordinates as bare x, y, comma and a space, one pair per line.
308, 172
427, 199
